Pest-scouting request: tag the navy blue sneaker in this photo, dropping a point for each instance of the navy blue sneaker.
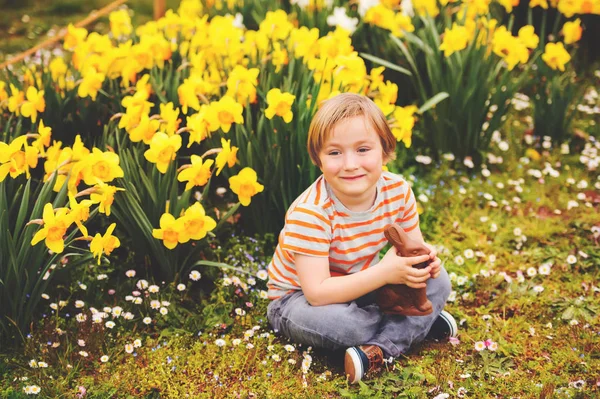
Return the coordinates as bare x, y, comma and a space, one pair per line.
360, 360
443, 327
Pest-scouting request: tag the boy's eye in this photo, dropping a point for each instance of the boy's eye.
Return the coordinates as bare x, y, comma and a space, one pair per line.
364, 149
334, 152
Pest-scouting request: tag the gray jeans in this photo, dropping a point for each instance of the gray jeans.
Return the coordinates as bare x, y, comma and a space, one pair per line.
355, 323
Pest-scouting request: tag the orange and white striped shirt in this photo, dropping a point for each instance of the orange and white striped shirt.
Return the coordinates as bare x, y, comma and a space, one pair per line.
318, 224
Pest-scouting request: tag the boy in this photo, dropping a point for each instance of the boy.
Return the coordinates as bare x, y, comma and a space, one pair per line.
326, 265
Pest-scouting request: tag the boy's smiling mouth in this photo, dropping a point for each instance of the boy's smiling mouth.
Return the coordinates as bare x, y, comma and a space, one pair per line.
351, 177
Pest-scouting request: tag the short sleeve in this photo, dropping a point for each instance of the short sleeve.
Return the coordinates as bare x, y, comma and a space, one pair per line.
409, 218
307, 231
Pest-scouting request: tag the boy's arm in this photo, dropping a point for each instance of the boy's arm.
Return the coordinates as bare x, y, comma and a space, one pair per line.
320, 288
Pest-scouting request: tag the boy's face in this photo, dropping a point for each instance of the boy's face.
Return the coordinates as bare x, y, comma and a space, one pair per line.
351, 161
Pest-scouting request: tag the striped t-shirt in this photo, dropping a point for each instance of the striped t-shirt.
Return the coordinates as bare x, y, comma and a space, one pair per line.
318, 224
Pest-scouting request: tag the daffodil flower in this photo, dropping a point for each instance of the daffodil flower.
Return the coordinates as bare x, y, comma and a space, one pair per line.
455, 39
104, 195
280, 104
163, 150
228, 112
54, 228
195, 223
170, 230
196, 174
80, 212
228, 155
101, 165
104, 243
555, 56
33, 104
245, 185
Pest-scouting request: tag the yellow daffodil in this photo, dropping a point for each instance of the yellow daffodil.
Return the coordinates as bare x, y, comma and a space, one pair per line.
404, 121
455, 39
569, 7
17, 158
196, 174
58, 68
304, 42
45, 133
3, 94
280, 104
90, 84
276, 25
145, 130
228, 112
104, 195
16, 99
120, 23
388, 93
102, 166
241, 84
426, 7
381, 16
245, 185
170, 230
510, 48
74, 37
104, 243
80, 212
202, 124
33, 104
402, 24
163, 150
54, 228
572, 31
189, 91
279, 56
228, 155
195, 223
555, 56
170, 118
528, 37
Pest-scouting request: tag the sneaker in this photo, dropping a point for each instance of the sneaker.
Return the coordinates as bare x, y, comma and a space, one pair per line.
360, 360
443, 327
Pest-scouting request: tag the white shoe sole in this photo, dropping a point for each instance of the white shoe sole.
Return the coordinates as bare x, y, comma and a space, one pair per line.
358, 366
451, 322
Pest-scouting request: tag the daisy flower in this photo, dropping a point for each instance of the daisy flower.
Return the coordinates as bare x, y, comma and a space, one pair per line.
180, 287
544, 269
195, 275
104, 359
571, 259
220, 342
129, 348
479, 346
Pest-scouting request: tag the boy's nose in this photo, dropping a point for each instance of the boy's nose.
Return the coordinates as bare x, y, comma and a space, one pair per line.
350, 162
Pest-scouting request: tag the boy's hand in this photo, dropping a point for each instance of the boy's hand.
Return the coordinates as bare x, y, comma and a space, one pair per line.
436, 262
400, 270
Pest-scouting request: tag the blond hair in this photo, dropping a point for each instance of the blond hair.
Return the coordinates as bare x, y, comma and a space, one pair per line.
342, 107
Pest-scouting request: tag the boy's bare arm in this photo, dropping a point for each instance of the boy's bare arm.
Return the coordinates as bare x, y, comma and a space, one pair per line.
320, 288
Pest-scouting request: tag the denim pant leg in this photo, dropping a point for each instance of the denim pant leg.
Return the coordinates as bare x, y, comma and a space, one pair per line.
396, 334
332, 327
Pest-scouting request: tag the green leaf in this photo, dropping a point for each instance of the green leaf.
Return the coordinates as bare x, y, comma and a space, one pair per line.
385, 63
433, 101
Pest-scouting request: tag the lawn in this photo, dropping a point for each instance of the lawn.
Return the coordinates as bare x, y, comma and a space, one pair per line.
512, 205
